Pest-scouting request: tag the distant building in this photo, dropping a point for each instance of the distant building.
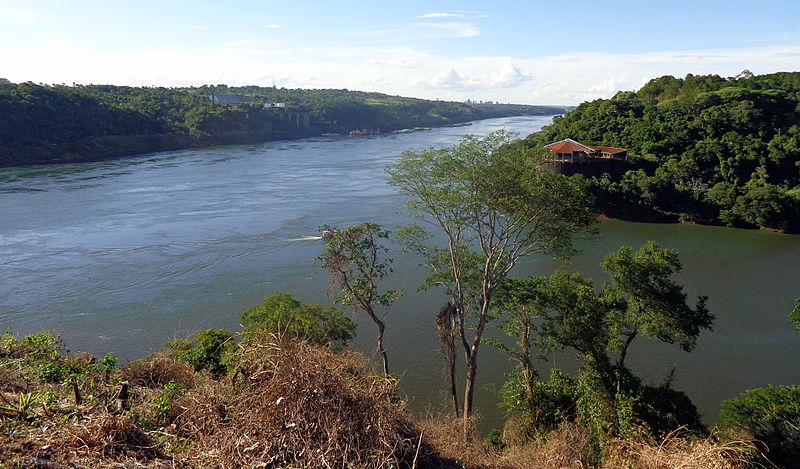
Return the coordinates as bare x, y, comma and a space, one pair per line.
569, 150
228, 99
274, 105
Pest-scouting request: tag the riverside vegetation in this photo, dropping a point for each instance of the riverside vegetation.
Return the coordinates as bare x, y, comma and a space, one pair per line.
57, 123
704, 149
287, 391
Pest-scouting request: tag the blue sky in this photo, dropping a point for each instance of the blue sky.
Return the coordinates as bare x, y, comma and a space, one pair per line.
510, 51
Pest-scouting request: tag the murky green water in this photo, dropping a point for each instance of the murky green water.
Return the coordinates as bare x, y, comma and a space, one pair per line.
124, 254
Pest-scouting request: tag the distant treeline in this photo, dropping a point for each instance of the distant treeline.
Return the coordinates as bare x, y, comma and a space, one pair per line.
706, 149
57, 123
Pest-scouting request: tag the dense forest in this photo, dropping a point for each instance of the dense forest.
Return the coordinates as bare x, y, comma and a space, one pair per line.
704, 149
57, 123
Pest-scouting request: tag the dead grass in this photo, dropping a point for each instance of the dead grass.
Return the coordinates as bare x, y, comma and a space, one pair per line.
107, 436
447, 437
301, 406
158, 370
677, 452
569, 447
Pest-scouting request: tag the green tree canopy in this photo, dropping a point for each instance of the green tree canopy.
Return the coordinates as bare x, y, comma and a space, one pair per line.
493, 205
282, 314
356, 261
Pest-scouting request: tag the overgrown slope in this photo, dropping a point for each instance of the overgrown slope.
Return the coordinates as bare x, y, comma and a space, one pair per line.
711, 149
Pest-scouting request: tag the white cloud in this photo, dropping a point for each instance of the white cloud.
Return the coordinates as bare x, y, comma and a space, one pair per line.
199, 26
403, 70
272, 26
238, 43
507, 75
457, 14
451, 29
25, 11
439, 15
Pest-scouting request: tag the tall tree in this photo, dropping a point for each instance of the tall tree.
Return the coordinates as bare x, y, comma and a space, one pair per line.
494, 205
355, 259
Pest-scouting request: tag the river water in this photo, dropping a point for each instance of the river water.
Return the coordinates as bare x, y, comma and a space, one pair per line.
124, 254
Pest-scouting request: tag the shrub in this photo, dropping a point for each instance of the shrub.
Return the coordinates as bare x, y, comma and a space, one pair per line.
288, 317
205, 351
772, 415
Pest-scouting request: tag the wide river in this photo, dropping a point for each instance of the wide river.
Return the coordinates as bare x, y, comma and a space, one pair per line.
124, 254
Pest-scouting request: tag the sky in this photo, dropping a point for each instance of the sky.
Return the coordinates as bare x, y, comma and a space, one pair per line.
528, 52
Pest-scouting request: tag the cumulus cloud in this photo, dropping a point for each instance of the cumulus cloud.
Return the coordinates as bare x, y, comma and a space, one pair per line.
507, 75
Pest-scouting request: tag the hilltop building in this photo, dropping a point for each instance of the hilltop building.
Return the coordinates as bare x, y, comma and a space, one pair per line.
569, 150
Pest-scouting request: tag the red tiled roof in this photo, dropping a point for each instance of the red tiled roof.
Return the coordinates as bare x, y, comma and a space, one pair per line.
609, 150
568, 146
571, 146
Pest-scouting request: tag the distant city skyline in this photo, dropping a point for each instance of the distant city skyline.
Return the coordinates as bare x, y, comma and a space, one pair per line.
515, 51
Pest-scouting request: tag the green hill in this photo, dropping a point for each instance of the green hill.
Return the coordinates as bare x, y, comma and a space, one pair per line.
56, 123
706, 149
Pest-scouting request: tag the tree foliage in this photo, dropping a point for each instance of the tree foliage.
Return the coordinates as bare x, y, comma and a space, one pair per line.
772, 415
55, 123
705, 149
280, 313
639, 299
205, 351
493, 205
356, 261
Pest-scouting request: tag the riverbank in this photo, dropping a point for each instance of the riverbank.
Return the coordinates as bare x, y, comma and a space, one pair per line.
45, 124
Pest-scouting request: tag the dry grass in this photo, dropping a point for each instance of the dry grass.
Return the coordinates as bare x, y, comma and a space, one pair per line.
301, 406
107, 436
569, 447
157, 370
289, 405
676, 452
447, 437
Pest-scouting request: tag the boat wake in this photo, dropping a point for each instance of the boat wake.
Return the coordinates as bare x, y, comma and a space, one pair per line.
305, 238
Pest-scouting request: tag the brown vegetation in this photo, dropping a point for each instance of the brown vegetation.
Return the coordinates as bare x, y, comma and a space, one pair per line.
301, 405
284, 404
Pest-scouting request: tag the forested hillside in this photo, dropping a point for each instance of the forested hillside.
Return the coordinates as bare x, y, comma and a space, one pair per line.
706, 149
46, 124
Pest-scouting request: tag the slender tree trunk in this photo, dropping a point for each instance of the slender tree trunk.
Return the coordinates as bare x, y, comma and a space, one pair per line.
621, 361
529, 374
472, 355
469, 389
446, 324
381, 328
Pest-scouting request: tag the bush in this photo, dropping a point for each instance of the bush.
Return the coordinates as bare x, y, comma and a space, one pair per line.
288, 317
205, 351
772, 415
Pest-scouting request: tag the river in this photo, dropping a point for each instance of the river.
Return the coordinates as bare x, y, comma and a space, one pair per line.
124, 254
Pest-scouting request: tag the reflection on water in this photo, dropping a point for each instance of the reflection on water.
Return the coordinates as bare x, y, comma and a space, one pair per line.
126, 253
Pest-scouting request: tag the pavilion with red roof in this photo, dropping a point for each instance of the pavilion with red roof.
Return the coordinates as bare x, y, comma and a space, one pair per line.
569, 150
